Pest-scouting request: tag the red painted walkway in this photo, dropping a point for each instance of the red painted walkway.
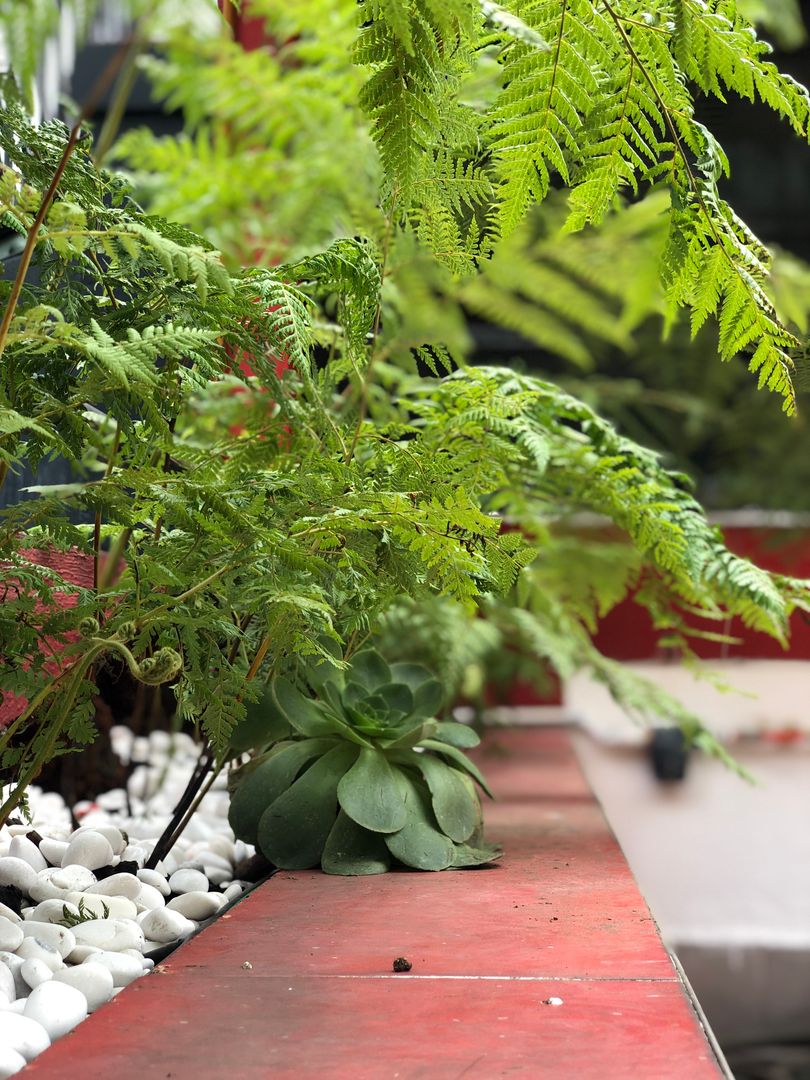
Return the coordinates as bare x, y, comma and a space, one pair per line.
561, 917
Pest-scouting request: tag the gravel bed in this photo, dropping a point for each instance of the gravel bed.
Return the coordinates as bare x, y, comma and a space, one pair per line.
80, 917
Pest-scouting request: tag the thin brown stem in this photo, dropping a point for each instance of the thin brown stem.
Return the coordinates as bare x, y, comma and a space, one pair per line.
364, 390
97, 521
73, 140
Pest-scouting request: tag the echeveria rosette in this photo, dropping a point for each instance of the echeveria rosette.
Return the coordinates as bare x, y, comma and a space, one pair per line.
362, 775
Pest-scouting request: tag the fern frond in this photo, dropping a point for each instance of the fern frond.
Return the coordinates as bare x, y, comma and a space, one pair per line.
538, 118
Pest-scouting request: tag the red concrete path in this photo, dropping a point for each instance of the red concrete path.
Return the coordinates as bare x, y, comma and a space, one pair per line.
561, 917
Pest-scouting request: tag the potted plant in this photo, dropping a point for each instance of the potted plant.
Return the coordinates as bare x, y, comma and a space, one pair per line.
349, 481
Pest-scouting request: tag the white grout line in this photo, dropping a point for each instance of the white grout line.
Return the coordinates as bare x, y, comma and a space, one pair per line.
399, 976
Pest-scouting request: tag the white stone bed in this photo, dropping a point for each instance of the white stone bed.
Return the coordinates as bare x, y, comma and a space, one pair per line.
52, 974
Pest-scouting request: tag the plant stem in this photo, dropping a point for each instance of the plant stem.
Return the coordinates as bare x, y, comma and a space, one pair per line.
182, 813
56, 725
187, 816
113, 558
189, 592
115, 113
197, 778
364, 390
73, 139
97, 522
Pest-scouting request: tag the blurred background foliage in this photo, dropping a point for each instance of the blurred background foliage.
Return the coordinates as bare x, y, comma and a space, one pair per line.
275, 159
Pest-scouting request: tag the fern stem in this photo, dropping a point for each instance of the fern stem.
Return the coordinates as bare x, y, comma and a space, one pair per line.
180, 828
56, 726
261, 652
197, 778
665, 112
190, 799
97, 520
113, 558
645, 26
364, 391
182, 597
74, 137
115, 113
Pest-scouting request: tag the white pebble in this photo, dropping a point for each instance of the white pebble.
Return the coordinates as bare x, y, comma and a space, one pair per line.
210, 858
53, 911
135, 853
196, 905
59, 937
11, 935
35, 972
12, 963
104, 907
150, 898
123, 968
216, 875
81, 953
7, 983
95, 981
23, 848
7, 913
164, 925
17, 872
10, 1062
185, 881
113, 835
53, 850
111, 935
115, 799
89, 849
233, 890
169, 863
221, 845
21, 1033
72, 877
57, 1006
34, 949
156, 880
117, 885
44, 889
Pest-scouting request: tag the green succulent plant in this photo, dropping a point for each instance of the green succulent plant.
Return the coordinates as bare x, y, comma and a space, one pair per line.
361, 775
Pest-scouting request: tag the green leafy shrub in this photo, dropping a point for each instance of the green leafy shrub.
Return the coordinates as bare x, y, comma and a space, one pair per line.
363, 776
257, 515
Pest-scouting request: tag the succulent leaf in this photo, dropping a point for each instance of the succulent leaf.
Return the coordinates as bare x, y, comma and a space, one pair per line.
354, 851
420, 843
428, 698
453, 797
370, 670
294, 829
371, 795
304, 714
460, 735
461, 759
264, 723
396, 698
264, 784
467, 855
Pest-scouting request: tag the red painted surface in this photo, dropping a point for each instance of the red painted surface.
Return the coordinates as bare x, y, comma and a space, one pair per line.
560, 917
627, 632
71, 568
